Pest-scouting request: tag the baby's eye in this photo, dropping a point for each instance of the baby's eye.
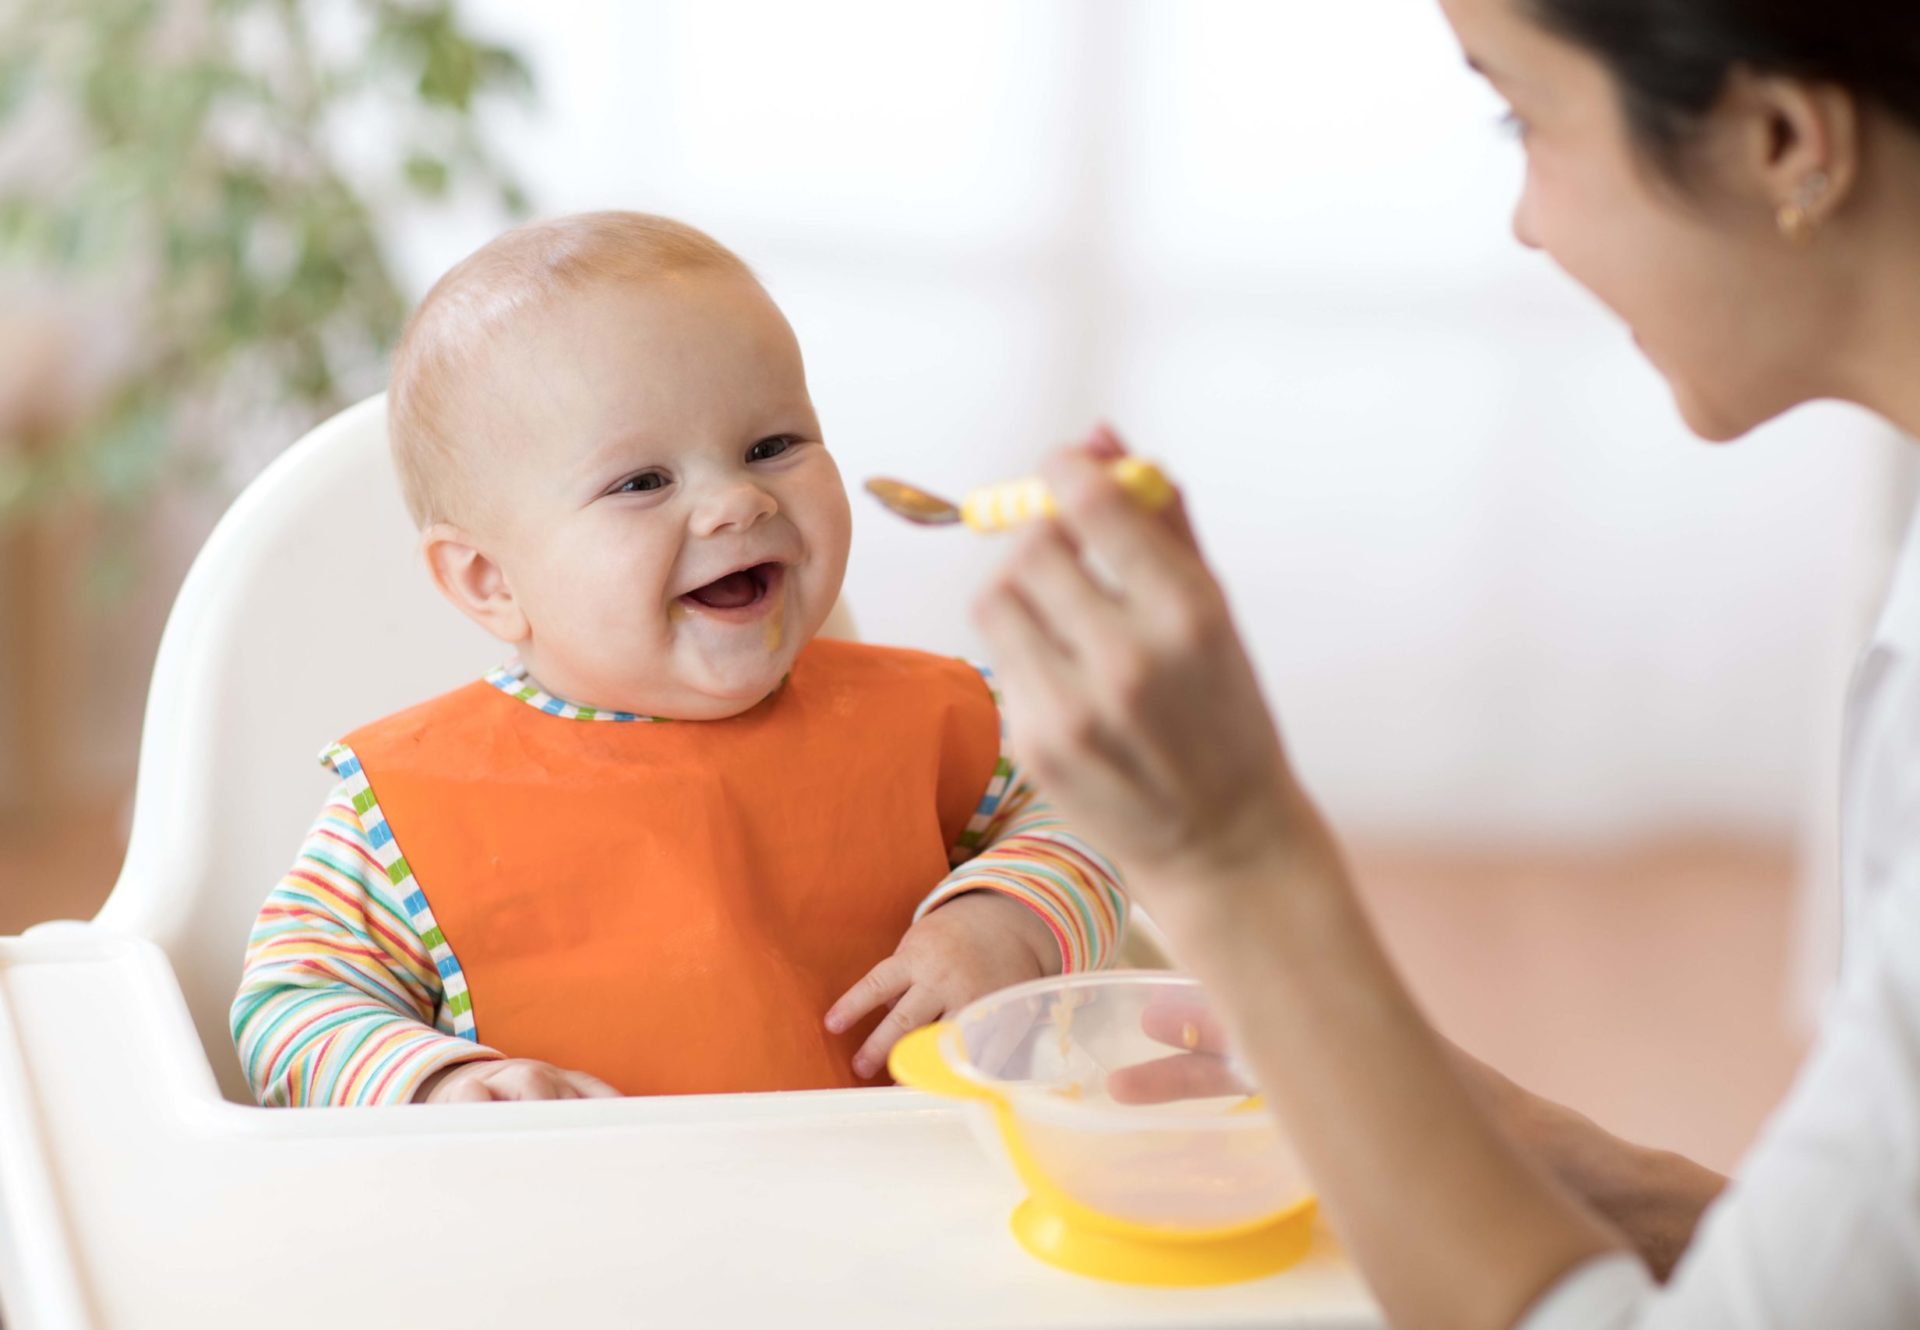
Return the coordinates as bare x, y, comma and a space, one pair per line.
767, 449
644, 483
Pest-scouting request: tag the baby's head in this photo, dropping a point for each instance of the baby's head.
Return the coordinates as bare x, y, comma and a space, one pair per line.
602, 427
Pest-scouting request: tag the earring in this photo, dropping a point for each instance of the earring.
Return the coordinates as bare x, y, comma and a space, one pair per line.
1796, 219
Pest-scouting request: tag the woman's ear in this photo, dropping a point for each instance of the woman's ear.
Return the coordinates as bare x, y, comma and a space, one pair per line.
1801, 144
476, 584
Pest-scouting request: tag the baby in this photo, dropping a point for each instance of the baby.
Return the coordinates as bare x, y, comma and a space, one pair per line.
681, 844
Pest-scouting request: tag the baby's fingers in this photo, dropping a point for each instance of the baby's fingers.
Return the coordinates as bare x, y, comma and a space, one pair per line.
462, 1090
529, 1080
881, 985
588, 1086
515, 1080
912, 1011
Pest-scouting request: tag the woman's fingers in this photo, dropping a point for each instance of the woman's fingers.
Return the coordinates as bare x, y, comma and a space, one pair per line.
1054, 725
1182, 1076
1103, 444
1023, 647
1081, 618
1129, 698
1151, 554
1176, 516
1181, 1023
1097, 664
877, 988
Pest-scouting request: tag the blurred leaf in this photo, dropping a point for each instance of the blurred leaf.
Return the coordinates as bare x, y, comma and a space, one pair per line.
451, 72
502, 70
18, 216
427, 174
207, 197
16, 81
124, 458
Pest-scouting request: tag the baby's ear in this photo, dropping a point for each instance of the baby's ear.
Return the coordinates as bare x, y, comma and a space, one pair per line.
469, 577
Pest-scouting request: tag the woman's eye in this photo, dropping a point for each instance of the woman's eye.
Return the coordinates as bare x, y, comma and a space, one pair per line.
767, 449
644, 483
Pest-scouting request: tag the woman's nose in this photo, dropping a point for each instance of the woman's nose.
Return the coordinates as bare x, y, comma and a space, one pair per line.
733, 507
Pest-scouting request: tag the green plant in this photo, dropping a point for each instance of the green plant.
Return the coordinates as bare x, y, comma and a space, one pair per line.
190, 161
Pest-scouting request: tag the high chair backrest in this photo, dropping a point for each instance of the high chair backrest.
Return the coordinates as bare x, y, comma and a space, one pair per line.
306, 614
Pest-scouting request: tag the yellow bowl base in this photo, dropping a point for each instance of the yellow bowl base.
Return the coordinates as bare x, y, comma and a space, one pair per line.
1174, 1262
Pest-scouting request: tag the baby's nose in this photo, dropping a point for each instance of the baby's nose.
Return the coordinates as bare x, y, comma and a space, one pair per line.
734, 507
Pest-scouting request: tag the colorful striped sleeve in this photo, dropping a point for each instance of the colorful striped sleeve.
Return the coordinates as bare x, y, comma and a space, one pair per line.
339, 1002
1030, 854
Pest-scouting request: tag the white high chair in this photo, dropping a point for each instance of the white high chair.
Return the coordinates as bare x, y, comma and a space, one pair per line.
140, 1187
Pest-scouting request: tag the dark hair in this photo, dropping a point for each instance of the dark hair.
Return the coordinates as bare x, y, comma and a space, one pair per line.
1670, 58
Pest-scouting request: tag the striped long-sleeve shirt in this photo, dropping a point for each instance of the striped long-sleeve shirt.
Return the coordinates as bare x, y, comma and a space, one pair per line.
341, 1003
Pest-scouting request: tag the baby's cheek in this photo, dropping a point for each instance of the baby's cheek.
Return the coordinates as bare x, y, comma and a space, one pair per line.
840, 523
830, 550
618, 623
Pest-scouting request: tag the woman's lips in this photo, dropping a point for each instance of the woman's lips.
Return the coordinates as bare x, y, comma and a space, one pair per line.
739, 597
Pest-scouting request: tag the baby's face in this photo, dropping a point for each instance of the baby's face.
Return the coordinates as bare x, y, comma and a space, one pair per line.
660, 502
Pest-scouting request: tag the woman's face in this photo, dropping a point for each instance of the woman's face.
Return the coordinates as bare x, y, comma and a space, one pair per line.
1713, 294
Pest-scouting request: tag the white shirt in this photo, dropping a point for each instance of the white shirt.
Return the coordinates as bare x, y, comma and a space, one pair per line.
1821, 1226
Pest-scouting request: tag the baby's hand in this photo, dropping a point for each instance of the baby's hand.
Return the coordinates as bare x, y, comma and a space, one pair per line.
973, 945
509, 1078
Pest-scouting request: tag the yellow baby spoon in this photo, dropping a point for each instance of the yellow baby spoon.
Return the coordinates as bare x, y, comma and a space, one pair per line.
1008, 504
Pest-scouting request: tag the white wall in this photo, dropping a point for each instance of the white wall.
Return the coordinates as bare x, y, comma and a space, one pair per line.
1496, 590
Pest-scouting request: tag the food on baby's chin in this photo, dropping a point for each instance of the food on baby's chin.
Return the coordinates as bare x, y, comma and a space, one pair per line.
1189, 1036
775, 635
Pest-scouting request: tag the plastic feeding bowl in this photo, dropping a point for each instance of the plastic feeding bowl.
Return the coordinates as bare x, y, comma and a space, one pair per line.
1145, 1155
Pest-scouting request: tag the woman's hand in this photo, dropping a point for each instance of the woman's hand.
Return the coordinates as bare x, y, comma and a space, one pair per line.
1129, 695
1131, 700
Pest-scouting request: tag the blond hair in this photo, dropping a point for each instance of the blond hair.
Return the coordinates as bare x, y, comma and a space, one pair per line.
506, 279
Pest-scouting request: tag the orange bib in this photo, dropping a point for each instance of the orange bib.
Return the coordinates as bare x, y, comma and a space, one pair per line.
673, 905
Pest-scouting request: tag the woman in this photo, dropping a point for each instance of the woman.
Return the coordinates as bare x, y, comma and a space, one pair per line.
1740, 181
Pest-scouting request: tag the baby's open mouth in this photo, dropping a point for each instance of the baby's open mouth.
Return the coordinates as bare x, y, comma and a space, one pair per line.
738, 590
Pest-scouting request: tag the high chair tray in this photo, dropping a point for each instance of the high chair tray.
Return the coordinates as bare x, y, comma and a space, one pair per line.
133, 1195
